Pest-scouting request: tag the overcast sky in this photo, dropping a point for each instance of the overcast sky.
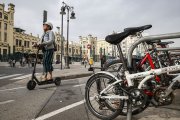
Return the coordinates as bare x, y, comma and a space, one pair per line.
100, 17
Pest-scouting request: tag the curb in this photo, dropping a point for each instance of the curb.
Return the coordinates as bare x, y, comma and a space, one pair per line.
66, 77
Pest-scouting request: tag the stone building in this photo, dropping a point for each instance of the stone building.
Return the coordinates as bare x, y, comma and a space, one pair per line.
104, 48
126, 44
6, 30
22, 43
88, 46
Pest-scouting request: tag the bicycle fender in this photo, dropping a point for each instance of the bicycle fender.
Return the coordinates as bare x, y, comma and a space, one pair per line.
104, 72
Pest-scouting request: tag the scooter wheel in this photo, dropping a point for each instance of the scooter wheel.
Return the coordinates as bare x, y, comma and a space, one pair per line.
57, 81
31, 85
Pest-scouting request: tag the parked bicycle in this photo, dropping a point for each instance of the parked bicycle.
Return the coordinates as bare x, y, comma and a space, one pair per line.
107, 94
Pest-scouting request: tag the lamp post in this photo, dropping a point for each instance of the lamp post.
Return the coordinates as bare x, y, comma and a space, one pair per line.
62, 51
61, 43
69, 9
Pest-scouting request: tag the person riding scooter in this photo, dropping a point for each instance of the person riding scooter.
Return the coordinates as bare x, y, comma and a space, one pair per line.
47, 45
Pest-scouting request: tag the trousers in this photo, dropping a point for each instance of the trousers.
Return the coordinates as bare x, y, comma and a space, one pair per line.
47, 60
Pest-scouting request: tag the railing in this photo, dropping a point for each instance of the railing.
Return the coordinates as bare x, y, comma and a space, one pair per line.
149, 38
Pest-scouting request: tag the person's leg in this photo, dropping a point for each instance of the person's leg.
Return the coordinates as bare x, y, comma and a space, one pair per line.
44, 75
49, 64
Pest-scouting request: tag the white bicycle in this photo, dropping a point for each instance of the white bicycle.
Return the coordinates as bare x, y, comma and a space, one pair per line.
106, 95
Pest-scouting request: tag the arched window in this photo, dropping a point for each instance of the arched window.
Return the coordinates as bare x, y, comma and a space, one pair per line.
6, 17
0, 14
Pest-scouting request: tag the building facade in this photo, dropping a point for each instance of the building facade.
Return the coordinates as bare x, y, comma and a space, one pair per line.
104, 48
126, 44
88, 46
6, 30
23, 43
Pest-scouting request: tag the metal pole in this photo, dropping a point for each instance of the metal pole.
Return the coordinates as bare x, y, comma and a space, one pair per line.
129, 110
62, 42
67, 45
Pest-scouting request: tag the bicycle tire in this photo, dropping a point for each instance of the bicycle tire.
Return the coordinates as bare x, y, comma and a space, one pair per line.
89, 83
135, 111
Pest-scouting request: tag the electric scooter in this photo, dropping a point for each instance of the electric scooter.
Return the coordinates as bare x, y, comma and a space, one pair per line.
32, 83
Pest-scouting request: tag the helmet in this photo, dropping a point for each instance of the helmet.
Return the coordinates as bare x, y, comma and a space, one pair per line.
49, 24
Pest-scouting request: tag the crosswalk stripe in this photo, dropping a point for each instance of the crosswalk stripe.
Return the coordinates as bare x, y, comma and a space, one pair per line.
21, 77
5, 102
12, 89
9, 76
2, 75
79, 85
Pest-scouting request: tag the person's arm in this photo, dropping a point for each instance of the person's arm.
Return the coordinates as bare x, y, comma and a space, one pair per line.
51, 39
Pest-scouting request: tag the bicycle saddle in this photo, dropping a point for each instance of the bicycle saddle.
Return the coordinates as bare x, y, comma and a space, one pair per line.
117, 38
166, 43
138, 29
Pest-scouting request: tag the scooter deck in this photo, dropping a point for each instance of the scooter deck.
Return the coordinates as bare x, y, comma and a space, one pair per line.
46, 82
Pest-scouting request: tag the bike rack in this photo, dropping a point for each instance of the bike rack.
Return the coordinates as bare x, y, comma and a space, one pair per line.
134, 45
149, 38
168, 49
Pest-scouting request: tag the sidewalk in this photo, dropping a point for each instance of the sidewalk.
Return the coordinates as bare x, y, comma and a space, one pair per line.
76, 71
4, 64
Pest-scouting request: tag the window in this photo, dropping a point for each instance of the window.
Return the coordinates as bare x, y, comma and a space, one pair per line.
12, 16
0, 25
69, 50
5, 37
20, 43
0, 35
24, 43
28, 44
6, 17
4, 51
0, 14
16, 42
5, 26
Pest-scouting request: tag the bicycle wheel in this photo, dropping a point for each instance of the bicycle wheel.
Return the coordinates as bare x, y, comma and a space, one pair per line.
115, 67
102, 108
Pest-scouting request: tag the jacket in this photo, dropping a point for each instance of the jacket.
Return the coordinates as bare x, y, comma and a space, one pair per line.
48, 40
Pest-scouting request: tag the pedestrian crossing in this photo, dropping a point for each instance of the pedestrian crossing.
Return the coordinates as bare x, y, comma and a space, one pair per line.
15, 76
9, 76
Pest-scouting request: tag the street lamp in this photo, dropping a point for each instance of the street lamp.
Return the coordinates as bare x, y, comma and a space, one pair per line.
62, 51
69, 9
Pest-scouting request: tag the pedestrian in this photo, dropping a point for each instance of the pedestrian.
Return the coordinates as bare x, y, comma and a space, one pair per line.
47, 45
85, 63
28, 61
103, 60
10, 62
14, 62
20, 61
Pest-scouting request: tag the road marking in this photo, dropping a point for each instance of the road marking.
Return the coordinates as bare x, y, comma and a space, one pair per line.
5, 102
2, 74
48, 115
9, 76
21, 77
12, 89
79, 85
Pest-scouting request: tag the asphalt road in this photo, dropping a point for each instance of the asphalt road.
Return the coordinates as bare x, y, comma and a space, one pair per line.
12, 74
65, 102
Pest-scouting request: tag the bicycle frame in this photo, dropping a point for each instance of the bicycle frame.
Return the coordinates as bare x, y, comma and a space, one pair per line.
146, 75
